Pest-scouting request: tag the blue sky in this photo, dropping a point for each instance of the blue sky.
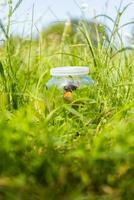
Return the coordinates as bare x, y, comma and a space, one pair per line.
46, 11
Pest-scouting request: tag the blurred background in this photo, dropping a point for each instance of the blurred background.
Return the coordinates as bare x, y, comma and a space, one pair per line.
40, 13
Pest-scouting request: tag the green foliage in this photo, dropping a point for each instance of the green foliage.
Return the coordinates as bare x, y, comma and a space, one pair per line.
51, 149
71, 32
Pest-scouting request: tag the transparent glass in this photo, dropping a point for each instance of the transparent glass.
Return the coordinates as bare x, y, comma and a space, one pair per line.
61, 81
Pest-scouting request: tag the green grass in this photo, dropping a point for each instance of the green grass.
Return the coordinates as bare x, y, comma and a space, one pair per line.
50, 149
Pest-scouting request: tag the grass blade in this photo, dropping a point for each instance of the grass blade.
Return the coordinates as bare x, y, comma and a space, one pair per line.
106, 16
122, 50
17, 5
126, 24
3, 29
89, 44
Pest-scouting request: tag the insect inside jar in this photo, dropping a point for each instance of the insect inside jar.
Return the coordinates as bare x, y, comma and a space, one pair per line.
68, 79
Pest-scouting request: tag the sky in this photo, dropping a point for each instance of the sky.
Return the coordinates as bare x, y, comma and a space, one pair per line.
45, 11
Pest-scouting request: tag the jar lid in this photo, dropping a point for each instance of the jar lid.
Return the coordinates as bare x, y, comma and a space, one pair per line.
69, 71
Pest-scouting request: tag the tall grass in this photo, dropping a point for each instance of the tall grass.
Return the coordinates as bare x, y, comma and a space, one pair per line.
50, 149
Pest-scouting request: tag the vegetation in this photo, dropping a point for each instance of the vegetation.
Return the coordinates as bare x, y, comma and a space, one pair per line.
53, 34
50, 149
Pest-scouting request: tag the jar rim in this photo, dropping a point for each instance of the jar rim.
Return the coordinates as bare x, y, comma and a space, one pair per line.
69, 71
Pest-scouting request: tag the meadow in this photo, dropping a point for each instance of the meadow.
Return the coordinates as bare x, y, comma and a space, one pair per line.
51, 149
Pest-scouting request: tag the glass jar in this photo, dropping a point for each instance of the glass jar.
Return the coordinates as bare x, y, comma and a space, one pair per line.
64, 76
69, 78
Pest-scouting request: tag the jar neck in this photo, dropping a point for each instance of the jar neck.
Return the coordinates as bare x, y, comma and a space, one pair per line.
70, 76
